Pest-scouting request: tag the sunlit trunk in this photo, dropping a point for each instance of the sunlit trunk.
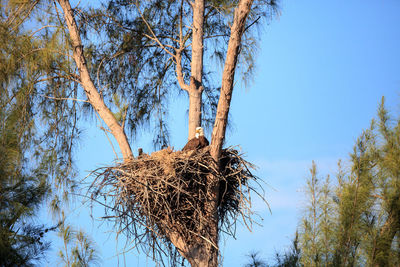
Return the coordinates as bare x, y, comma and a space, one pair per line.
196, 79
228, 77
91, 91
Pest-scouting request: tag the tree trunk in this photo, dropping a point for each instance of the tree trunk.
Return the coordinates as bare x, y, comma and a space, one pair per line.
196, 79
206, 252
195, 103
91, 92
228, 77
203, 254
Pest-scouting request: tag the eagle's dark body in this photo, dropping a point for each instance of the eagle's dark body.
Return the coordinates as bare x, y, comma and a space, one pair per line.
196, 143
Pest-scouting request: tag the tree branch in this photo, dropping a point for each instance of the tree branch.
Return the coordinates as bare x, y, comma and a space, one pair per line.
91, 92
64, 98
228, 77
151, 31
178, 53
179, 72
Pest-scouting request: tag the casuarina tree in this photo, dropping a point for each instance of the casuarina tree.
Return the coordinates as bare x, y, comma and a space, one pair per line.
122, 62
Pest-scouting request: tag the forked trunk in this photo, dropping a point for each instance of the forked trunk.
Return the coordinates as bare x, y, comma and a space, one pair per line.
200, 252
206, 252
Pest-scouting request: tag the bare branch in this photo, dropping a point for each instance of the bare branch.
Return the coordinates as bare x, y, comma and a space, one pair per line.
64, 98
155, 39
251, 24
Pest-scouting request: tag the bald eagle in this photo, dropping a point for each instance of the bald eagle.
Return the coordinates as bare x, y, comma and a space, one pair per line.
198, 142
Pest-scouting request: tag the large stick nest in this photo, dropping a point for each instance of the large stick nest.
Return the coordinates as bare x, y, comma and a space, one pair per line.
167, 191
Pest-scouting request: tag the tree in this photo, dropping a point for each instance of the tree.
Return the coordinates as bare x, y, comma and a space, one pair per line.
316, 228
291, 257
34, 161
255, 260
33, 74
21, 194
158, 46
23, 186
146, 35
356, 221
82, 253
288, 258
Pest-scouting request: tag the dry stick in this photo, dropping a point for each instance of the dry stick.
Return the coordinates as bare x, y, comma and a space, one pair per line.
128, 180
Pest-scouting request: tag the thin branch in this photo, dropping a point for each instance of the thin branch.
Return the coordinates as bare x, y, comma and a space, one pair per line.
41, 28
26, 15
179, 72
64, 98
251, 24
158, 42
108, 138
71, 77
151, 31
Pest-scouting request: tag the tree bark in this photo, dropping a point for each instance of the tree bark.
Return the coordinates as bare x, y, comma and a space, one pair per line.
91, 92
228, 77
201, 253
206, 253
194, 111
196, 78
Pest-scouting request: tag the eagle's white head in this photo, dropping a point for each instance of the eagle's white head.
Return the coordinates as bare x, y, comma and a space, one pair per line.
199, 132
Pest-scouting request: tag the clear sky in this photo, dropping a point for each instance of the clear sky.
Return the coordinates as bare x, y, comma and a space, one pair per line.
322, 69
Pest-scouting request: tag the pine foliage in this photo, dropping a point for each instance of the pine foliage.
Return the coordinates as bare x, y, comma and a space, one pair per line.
33, 79
79, 250
37, 130
21, 192
356, 222
132, 54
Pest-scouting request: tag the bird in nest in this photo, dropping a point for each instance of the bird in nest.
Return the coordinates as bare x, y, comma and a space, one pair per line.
198, 142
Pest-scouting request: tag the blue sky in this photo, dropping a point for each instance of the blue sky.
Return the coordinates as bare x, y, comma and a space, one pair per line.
322, 69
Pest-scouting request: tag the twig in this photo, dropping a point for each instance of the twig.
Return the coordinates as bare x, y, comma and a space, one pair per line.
64, 98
